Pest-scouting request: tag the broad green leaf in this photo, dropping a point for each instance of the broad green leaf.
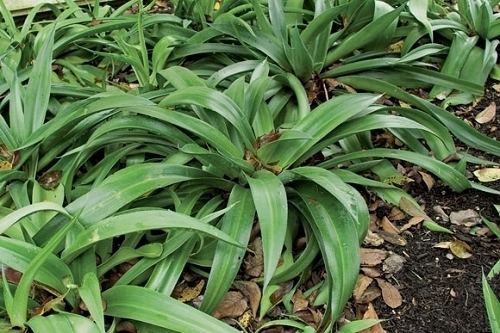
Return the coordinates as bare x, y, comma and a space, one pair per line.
228, 258
90, 293
38, 89
270, 201
14, 217
62, 323
19, 315
335, 231
492, 306
135, 221
418, 8
145, 305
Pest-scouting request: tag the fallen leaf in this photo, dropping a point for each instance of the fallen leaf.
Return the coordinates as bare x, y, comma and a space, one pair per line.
393, 264
372, 257
460, 249
370, 313
393, 238
362, 284
233, 305
488, 114
387, 226
190, 293
282, 290
487, 175
428, 180
246, 319
371, 272
442, 245
412, 222
441, 213
252, 292
310, 316
300, 303
496, 87
370, 294
396, 214
390, 294
254, 263
468, 217
5, 165
373, 239
410, 208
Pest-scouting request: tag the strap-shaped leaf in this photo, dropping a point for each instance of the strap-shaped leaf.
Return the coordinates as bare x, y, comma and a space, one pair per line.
62, 323
335, 231
237, 223
139, 221
270, 201
148, 306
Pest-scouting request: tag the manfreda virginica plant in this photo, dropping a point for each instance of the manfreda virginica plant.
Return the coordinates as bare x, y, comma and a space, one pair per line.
166, 174
234, 149
334, 41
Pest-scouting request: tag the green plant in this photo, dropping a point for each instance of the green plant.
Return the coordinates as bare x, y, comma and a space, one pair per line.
133, 135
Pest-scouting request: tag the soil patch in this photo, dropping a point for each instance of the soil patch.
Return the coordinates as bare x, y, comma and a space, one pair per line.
440, 294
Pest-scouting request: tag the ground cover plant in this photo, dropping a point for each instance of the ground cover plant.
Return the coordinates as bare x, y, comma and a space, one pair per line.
152, 140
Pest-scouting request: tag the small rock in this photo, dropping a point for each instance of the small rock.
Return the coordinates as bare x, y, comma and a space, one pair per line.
468, 217
393, 264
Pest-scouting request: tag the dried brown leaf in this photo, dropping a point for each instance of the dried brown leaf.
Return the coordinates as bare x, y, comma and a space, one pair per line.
396, 214
362, 284
412, 222
387, 226
411, 209
254, 263
372, 314
233, 305
468, 217
300, 303
252, 292
390, 294
370, 294
372, 257
488, 114
393, 238
373, 239
428, 180
371, 272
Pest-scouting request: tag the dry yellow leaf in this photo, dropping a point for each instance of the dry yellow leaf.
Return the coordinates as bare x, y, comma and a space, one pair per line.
5, 165
487, 175
245, 319
460, 249
190, 293
443, 245
488, 114
496, 87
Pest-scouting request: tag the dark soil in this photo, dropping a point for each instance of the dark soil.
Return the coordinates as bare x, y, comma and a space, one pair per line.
444, 295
